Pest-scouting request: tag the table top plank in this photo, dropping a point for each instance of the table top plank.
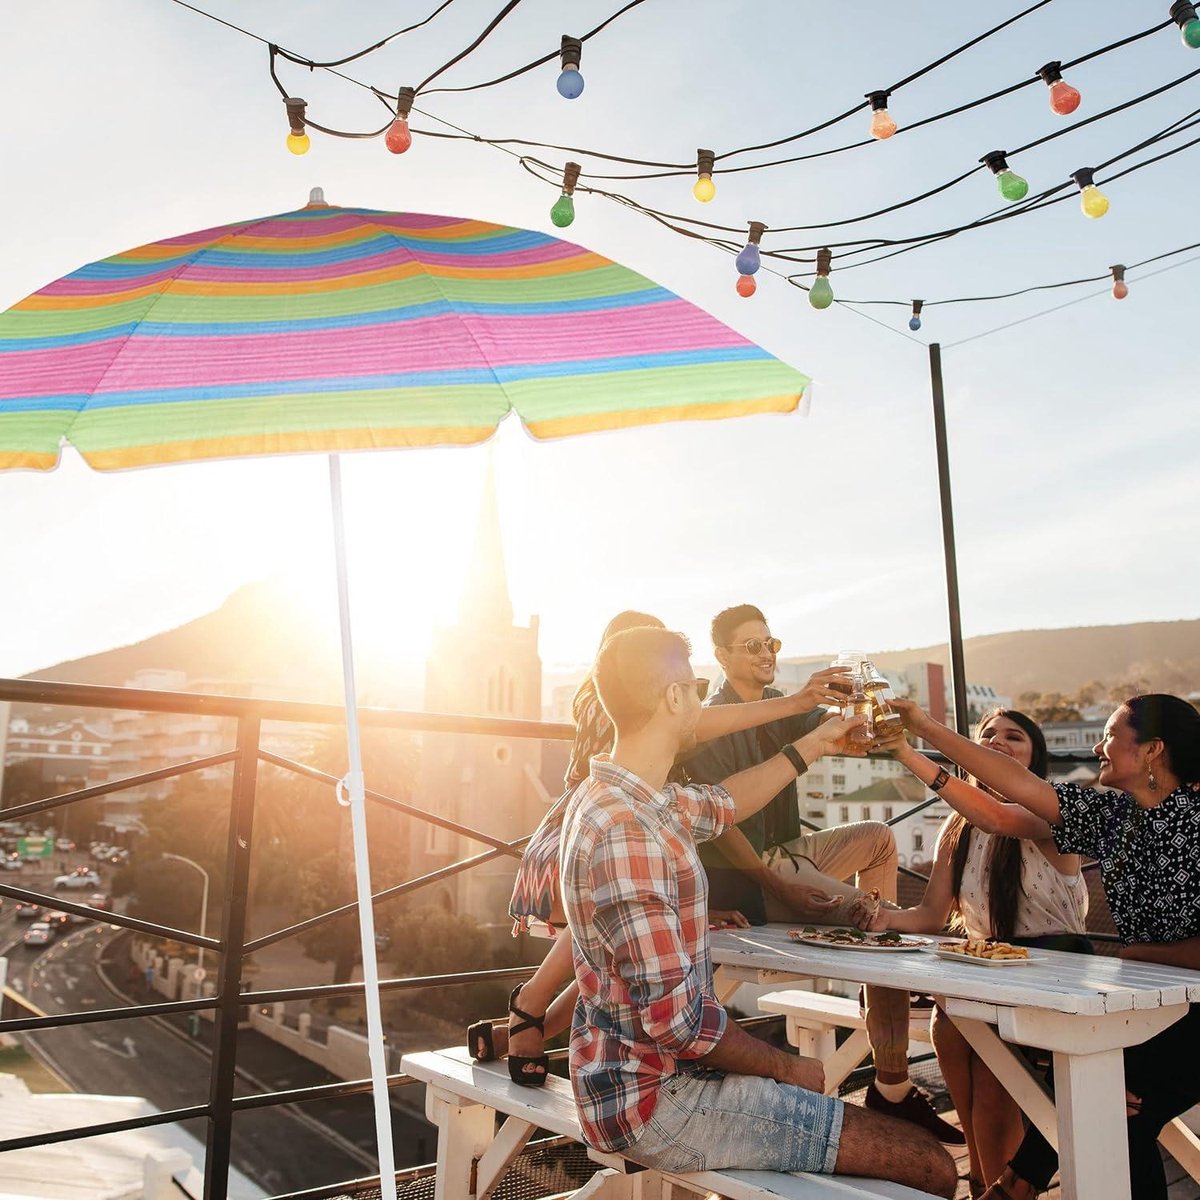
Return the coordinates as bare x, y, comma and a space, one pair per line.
1053, 980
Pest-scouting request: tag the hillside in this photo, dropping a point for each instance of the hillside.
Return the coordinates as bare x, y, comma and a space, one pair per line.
1165, 654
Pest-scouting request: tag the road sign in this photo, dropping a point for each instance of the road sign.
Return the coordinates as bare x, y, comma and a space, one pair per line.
35, 846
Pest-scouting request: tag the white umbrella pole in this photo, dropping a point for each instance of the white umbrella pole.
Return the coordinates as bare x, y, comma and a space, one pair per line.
354, 786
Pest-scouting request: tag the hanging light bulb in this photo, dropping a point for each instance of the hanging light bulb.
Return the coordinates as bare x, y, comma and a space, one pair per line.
570, 82
704, 189
1120, 289
297, 140
882, 125
1064, 99
398, 137
746, 285
1011, 185
563, 212
748, 259
914, 322
1091, 199
1183, 14
820, 295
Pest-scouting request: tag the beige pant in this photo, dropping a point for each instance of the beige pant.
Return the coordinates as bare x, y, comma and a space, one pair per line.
827, 859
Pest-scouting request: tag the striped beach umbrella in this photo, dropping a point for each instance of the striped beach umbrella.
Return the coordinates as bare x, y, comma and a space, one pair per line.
331, 329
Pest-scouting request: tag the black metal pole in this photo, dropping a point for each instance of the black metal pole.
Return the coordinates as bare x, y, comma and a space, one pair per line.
233, 938
958, 672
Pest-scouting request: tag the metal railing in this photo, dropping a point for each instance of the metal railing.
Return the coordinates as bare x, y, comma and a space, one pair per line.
231, 945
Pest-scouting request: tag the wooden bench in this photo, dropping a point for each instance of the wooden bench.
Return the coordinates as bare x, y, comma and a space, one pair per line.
813, 1017
463, 1097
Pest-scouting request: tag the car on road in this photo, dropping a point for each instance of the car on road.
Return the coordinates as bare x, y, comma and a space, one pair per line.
81, 877
12, 862
28, 912
38, 934
58, 921
100, 900
100, 850
64, 843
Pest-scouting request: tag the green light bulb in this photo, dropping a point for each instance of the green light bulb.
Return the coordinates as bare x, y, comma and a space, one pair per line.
1190, 33
820, 295
1012, 186
563, 212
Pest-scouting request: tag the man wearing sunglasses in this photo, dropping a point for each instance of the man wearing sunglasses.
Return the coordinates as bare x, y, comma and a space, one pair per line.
658, 1070
769, 869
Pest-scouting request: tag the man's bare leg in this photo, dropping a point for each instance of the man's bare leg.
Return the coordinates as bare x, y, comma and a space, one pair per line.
880, 1147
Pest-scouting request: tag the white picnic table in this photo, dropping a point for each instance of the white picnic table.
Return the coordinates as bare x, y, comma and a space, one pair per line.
1084, 1008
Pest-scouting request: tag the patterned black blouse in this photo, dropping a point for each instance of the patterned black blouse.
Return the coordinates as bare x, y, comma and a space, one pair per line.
1149, 857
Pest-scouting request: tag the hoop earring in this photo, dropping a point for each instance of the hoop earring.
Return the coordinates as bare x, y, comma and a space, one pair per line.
1151, 780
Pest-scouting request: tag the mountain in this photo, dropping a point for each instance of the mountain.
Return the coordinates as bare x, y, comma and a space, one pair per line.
1164, 655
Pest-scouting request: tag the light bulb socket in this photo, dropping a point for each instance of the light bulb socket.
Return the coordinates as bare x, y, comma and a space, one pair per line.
996, 161
1118, 272
824, 261
571, 53
1051, 72
705, 160
879, 100
570, 178
295, 113
1084, 177
404, 101
1183, 11
917, 306
757, 229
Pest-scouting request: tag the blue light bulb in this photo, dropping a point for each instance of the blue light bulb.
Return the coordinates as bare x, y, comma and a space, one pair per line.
570, 84
914, 323
749, 260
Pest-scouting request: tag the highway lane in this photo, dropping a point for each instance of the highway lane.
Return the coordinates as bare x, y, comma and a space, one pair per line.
281, 1149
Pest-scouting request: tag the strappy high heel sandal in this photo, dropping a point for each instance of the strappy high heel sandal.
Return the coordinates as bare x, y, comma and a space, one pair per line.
479, 1036
525, 1069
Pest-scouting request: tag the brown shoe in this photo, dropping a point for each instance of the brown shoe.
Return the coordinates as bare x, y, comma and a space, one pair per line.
917, 1108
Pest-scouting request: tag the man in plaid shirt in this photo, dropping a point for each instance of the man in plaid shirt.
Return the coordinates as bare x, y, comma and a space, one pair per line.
659, 1071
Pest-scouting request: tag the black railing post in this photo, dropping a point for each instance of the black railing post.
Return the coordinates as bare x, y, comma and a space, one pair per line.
958, 671
233, 937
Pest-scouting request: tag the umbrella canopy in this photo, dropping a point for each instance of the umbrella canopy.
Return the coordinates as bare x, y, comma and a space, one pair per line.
331, 329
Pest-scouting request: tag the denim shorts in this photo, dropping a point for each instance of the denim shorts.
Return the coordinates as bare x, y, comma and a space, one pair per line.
708, 1121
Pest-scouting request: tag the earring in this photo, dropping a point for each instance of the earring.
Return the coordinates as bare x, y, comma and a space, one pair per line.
1151, 780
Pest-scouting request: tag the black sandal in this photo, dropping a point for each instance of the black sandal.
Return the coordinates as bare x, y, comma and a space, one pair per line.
518, 1063
481, 1031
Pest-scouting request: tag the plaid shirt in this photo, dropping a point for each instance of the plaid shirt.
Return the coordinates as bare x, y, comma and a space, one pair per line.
637, 903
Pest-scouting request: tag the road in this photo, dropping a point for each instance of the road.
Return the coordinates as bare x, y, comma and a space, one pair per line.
281, 1149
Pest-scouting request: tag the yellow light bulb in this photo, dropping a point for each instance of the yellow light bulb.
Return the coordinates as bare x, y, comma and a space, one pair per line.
704, 189
1093, 201
298, 143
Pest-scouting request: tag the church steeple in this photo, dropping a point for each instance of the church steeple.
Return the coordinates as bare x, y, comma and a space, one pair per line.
486, 603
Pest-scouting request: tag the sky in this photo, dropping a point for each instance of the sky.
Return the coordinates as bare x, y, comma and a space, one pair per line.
1073, 435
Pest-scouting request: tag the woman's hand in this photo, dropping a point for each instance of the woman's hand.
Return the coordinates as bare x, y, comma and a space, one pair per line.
832, 737
915, 718
895, 745
829, 687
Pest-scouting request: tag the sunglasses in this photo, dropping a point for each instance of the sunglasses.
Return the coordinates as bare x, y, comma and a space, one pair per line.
757, 645
701, 686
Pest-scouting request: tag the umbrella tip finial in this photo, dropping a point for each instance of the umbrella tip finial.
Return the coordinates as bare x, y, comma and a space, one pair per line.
316, 198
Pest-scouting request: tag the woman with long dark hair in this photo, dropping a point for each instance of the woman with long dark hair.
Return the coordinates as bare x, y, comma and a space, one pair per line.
542, 1006
1145, 834
994, 885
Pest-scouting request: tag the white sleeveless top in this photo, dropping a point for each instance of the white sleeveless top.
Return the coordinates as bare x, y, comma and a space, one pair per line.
1050, 902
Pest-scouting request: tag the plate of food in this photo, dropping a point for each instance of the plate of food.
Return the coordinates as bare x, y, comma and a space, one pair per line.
856, 939
984, 952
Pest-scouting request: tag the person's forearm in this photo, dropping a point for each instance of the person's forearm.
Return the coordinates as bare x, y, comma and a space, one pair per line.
735, 848
754, 787
717, 720
985, 812
922, 919
1171, 954
740, 1054
996, 770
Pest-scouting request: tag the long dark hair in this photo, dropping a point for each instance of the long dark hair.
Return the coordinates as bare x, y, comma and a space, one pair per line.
1004, 856
1177, 723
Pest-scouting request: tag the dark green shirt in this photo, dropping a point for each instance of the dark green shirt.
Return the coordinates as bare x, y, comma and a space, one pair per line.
775, 824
